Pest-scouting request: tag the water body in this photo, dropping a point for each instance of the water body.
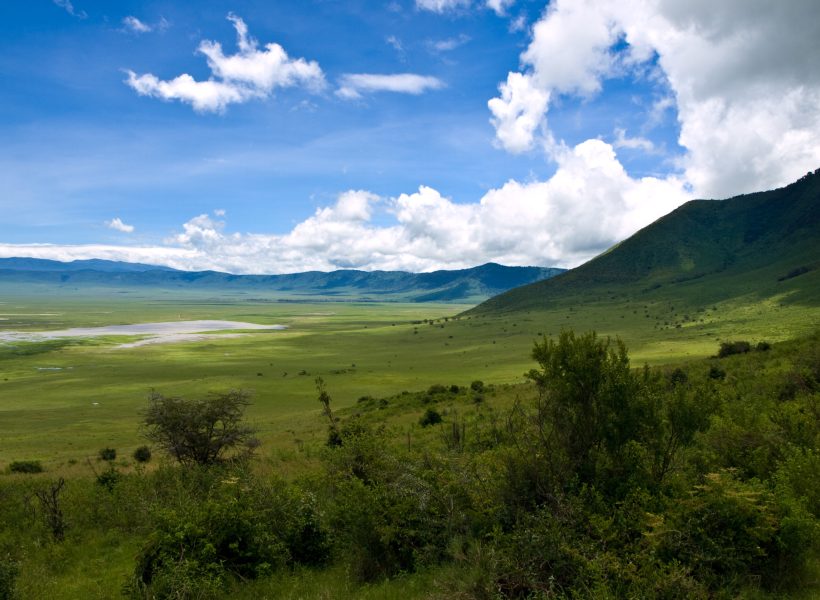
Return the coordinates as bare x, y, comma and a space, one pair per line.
167, 332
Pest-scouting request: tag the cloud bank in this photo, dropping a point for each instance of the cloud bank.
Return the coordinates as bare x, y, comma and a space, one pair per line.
588, 205
742, 75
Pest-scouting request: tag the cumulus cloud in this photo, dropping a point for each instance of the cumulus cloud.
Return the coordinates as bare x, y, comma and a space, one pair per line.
69, 8
518, 113
248, 74
589, 204
116, 223
742, 75
352, 86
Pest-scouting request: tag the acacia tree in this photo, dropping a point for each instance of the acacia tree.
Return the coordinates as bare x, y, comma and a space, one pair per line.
202, 431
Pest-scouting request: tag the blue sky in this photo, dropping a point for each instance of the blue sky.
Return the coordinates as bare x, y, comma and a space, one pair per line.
372, 144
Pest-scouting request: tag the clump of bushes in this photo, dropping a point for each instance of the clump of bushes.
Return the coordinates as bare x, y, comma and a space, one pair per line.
108, 454
26, 466
730, 348
8, 577
233, 528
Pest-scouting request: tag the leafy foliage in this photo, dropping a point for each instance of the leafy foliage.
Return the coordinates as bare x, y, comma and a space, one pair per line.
200, 432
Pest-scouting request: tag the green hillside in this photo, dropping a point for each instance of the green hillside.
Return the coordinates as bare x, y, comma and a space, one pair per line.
756, 247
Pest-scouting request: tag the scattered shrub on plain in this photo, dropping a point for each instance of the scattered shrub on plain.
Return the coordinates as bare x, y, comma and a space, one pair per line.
26, 466
142, 454
430, 417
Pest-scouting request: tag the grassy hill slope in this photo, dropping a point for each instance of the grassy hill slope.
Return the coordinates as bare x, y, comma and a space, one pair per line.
756, 246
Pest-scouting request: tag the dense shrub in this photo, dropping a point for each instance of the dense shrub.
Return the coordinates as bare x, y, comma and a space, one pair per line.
477, 386
715, 372
26, 466
8, 577
109, 478
108, 454
728, 533
142, 454
240, 528
730, 348
430, 417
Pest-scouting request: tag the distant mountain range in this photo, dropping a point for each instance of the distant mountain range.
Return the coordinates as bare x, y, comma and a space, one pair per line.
465, 285
761, 246
93, 264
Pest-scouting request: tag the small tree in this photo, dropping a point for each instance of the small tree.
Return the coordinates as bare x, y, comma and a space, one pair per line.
199, 431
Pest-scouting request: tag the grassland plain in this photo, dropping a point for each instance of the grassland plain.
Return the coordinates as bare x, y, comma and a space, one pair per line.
61, 401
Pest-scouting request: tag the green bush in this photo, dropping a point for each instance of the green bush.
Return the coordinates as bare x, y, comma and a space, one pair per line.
477, 386
715, 372
109, 478
237, 528
8, 577
26, 466
730, 348
108, 454
142, 454
725, 532
430, 417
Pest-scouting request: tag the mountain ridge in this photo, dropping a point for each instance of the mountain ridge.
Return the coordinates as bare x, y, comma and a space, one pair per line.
472, 284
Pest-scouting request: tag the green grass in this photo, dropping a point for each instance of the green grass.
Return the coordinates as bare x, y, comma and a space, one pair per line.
95, 398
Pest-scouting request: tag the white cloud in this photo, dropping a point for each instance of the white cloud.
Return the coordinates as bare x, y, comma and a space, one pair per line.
632, 143
250, 73
499, 6
351, 86
519, 23
519, 113
742, 75
448, 44
441, 6
69, 8
395, 42
116, 223
220, 212
589, 204
134, 25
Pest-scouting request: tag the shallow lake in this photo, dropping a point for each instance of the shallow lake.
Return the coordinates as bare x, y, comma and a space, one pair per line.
173, 330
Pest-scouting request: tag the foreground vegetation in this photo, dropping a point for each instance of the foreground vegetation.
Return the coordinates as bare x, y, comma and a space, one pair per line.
591, 480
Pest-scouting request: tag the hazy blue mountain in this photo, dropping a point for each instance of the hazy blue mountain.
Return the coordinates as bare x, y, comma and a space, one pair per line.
471, 285
94, 264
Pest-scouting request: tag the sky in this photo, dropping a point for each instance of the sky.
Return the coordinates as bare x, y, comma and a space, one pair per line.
281, 136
